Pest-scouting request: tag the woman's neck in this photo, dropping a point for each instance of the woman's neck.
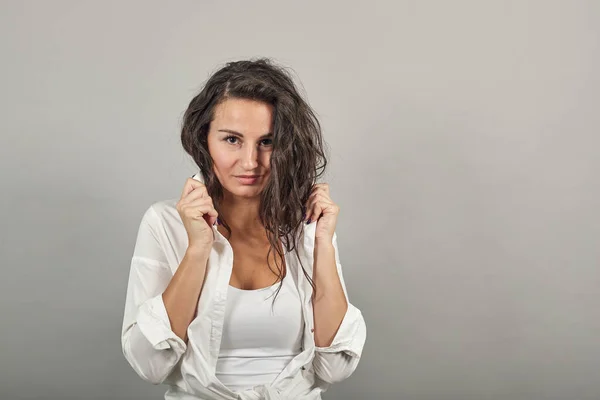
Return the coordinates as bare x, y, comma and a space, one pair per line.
241, 214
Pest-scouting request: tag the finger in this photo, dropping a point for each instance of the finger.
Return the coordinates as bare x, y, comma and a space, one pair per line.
200, 208
312, 212
320, 192
314, 189
201, 202
317, 210
310, 204
198, 193
313, 196
318, 196
318, 205
190, 185
323, 187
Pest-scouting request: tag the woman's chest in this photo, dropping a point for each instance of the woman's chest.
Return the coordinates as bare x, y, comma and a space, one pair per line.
255, 267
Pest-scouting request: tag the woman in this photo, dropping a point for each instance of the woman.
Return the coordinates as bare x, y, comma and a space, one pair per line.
251, 227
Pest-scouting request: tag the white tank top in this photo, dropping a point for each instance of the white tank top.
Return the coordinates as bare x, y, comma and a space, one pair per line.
259, 338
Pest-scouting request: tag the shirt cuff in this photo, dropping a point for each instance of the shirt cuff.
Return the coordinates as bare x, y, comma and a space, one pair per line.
350, 336
153, 321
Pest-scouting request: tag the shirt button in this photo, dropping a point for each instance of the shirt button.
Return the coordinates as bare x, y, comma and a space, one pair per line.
312, 329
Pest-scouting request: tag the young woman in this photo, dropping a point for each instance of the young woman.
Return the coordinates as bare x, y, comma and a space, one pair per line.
236, 289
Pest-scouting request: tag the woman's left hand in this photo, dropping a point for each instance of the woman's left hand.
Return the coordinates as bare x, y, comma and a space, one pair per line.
320, 209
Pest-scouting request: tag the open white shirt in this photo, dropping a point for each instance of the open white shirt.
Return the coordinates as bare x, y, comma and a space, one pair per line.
260, 336
158, 355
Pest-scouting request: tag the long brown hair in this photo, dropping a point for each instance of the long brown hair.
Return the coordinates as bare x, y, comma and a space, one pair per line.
297, 159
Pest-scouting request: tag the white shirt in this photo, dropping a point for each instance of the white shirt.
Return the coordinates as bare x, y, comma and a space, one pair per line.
260, 336
158, 355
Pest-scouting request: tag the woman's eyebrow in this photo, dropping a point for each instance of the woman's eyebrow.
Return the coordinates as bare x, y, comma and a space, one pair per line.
241, 135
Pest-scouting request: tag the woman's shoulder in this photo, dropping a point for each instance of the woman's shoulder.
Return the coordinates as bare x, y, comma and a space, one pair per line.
164, 206
162, 211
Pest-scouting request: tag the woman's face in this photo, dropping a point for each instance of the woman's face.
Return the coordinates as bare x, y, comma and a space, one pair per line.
240, 144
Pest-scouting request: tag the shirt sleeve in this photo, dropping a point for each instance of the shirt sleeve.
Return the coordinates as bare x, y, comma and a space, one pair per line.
148, 343
338, 361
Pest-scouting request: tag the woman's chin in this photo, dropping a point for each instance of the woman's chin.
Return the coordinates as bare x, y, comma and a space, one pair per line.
246, 192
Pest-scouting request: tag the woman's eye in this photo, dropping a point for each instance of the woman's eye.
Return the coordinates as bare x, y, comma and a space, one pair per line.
234, 140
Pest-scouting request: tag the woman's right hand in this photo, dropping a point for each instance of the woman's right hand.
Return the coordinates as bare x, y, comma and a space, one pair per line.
198, 214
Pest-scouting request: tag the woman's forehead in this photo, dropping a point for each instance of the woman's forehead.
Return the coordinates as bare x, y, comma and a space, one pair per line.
249, 116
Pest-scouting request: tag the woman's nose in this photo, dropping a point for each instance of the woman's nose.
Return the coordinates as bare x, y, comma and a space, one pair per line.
250, 160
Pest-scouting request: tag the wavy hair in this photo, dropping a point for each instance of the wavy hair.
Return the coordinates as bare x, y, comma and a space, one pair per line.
297, 158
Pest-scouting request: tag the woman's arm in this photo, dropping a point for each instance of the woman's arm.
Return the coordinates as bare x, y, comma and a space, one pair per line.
182, 294
340, 330
339, 327
159, 305
329, 302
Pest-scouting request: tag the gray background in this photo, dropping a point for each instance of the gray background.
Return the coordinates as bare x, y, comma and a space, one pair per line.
464, 157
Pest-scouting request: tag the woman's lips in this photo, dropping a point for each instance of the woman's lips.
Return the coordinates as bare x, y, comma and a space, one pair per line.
248, 179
